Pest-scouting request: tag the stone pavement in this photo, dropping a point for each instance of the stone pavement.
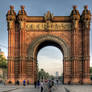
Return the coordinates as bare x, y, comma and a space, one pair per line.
8, 88
74, 88
11, 88
60, 88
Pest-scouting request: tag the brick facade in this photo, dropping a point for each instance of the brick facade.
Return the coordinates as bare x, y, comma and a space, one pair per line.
72, 38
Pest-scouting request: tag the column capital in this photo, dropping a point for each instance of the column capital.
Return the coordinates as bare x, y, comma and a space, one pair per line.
21, 25
67, 59
11, 25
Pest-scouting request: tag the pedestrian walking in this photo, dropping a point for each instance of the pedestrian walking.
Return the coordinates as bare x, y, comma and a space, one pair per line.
57, 81
27, 82
35, 83
18, 82
49, 86
41, 86
45, 86
38, 83
24, 82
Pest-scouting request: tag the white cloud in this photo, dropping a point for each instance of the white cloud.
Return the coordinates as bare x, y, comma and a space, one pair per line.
50, 59
51, 52
52, 65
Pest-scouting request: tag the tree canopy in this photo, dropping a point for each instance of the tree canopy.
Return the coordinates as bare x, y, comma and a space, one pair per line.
90, 69
42, 74
3, 62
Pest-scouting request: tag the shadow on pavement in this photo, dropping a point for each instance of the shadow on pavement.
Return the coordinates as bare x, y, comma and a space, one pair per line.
66, 89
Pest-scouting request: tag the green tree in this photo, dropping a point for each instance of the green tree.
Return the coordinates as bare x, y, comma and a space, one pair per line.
3, 62
91, 73
51, 77
43, 75
90, 69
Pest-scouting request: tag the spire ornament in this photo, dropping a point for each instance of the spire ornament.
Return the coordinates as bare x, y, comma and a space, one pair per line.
11, 15
48, 16
22, 17
75, 16
11, 18
22, 14
86, 17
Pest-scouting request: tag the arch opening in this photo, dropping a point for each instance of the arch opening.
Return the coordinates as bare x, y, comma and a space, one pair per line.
48, 40
54, 65
44, 41
49, 43
50, 59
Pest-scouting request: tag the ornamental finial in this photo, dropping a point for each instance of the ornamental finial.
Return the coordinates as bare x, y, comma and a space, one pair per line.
86, 7
75, 15
48, 16
11, 14
11, 11
86, 14
11, 7
74, 7
22, 7
22, 11
86, 17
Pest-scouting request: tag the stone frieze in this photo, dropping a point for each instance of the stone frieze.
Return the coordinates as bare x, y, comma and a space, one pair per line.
48, 26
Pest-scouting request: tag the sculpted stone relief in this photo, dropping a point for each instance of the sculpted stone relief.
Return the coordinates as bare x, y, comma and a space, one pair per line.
10, 24
48, 26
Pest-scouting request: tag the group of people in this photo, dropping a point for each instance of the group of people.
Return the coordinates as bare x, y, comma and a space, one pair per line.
24, 82
46, 85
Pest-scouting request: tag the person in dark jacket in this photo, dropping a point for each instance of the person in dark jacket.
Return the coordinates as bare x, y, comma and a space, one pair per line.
35, 84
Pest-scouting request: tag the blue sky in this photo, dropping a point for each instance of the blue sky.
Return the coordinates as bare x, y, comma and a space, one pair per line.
38, 8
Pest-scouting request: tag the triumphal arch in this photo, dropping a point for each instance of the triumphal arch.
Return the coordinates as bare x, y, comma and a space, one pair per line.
28, 34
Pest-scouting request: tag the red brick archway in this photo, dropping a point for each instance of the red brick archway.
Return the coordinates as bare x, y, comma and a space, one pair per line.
47, 40
28, 34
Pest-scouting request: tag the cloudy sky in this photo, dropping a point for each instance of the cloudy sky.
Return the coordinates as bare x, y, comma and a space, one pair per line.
51, 59
46, 58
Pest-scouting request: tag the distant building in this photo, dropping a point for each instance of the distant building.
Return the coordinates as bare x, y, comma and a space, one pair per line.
57, 74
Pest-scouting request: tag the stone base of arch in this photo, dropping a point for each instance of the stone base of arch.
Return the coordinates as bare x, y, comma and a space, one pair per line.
67, 80
75, 81
68, 77
86, 81
13, 81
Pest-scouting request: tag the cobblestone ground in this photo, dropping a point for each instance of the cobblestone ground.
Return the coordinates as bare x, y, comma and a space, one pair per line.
60, 88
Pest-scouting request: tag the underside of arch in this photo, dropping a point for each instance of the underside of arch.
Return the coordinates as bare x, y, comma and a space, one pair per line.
47, 40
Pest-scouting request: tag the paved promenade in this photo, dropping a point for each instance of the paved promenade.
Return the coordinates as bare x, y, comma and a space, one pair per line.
60, 88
